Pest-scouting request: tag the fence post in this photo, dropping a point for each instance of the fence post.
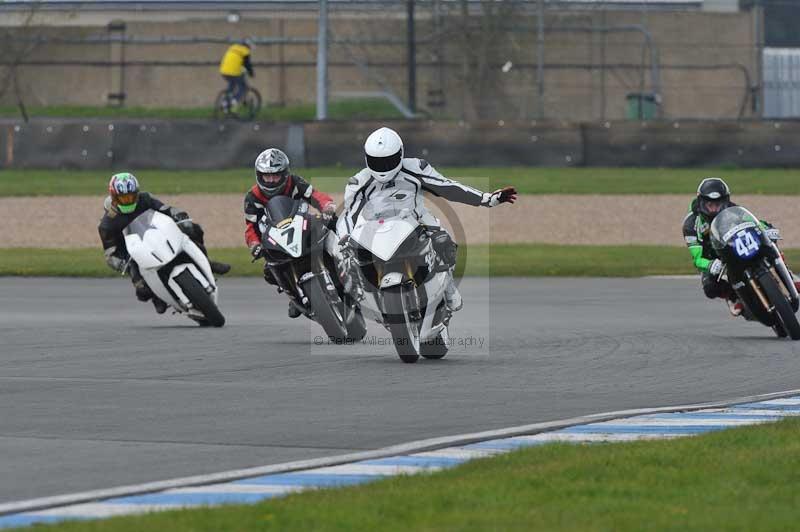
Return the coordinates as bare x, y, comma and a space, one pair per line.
116, 30
540, 58
412, 59
322, 61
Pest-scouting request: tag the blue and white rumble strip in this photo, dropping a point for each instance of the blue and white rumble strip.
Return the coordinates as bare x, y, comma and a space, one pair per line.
657, 424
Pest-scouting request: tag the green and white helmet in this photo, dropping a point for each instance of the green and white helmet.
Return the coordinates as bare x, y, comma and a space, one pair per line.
124, 191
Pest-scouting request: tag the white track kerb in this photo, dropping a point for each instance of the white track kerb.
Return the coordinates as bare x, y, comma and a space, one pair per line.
260, 483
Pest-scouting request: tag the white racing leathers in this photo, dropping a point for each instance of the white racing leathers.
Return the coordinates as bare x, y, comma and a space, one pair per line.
405, 192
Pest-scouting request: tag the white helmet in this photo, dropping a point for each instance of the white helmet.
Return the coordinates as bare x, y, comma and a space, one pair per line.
383, 153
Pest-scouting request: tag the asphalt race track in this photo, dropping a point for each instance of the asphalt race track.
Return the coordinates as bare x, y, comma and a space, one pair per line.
97, 391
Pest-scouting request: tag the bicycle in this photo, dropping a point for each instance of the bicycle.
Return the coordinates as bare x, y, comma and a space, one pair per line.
247, 109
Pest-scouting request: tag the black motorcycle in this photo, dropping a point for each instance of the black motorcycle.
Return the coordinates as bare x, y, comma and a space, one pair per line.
293, 239
756, 271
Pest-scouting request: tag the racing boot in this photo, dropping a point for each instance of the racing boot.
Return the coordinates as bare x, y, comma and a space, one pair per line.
143, 292
220, 268
159, 304
294, 312
452, 296
735, 307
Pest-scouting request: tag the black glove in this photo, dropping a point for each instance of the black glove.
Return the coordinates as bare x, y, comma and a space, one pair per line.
330, 221
181, 217
256, 250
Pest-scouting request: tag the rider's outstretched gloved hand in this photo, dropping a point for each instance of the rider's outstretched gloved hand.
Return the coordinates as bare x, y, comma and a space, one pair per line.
715, 268
502, 195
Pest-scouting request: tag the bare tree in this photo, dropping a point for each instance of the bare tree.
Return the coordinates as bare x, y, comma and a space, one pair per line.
16, 44
482, 37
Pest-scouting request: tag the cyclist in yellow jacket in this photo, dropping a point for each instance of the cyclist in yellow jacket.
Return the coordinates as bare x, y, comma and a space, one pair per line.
235, 61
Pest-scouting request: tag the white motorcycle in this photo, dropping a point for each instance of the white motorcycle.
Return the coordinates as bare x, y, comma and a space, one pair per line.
174, 268
395, 261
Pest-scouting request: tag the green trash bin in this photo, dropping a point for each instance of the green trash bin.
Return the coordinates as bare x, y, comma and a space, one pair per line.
641, 106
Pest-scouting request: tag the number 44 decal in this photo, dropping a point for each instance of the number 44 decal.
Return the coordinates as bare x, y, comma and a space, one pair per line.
745, 244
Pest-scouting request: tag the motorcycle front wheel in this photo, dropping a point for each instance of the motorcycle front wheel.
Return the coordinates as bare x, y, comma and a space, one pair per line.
200, 299
406, 341
784, 314
433, 349
325, 311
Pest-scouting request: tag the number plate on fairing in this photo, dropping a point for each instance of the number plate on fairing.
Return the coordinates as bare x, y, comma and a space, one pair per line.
289, 236
746, 244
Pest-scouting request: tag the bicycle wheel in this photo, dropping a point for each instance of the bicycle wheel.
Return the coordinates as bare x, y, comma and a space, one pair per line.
221, 105
251, 104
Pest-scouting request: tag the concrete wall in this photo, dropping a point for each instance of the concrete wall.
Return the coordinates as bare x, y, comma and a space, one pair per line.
191, 144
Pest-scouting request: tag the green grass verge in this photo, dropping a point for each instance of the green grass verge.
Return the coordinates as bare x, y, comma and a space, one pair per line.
527, 180
523, 260
350, 109
737, 479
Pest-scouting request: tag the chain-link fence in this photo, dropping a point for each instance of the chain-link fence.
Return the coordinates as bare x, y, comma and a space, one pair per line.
455, 59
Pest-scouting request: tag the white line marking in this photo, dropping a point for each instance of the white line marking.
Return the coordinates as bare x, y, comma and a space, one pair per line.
776, 413
100, 509
239, 488
679, 422
459, 453
589, 437
781, 402
362, 469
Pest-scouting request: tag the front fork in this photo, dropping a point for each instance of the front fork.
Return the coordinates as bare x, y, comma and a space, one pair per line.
779, 272
784, 278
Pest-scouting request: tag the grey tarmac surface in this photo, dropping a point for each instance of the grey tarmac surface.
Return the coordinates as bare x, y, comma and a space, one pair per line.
97, 391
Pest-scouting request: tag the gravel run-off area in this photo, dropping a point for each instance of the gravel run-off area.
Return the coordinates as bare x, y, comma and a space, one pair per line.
70, 222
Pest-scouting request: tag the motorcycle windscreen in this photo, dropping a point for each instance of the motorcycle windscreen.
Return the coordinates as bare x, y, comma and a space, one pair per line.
728, 223
153, 239
382, 237
282, 207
